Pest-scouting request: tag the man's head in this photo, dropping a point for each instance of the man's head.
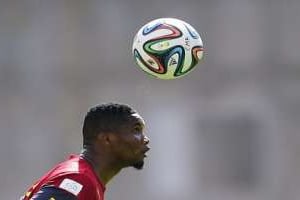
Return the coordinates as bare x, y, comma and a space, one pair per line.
116, 130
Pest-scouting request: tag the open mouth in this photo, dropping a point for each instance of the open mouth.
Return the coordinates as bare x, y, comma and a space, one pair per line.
145, 151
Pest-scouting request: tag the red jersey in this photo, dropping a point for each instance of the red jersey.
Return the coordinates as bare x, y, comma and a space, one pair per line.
75, 176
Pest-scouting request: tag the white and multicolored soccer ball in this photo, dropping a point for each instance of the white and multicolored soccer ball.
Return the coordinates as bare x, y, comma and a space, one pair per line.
167, 48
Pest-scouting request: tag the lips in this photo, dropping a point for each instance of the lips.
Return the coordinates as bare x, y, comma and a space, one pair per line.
146, 150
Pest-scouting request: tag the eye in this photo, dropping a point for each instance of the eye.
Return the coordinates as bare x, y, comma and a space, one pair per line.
138, 129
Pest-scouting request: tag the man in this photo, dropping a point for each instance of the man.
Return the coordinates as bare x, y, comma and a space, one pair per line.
113, 139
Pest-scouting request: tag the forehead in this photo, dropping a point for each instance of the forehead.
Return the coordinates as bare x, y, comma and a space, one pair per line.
137, 119
133, 120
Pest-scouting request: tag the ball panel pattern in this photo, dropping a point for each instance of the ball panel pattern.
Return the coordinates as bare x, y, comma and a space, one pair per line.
167, 48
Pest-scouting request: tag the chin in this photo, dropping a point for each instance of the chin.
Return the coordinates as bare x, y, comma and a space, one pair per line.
139, 165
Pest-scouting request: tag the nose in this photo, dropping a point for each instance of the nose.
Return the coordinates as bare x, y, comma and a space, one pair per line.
146, 140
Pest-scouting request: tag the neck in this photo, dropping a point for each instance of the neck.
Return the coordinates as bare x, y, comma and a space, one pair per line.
102, 164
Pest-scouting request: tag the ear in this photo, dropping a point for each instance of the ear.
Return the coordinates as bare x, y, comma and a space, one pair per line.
106, 138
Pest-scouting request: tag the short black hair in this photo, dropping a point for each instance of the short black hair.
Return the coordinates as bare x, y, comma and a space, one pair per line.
106, 117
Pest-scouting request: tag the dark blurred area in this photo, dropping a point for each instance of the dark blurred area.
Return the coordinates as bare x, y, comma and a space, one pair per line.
228, 130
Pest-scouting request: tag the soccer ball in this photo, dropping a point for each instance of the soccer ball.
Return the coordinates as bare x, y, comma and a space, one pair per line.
167, 48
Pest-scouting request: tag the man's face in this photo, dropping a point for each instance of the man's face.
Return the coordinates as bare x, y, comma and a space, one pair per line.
132, 143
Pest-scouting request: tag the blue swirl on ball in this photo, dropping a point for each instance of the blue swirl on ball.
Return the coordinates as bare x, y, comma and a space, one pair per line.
176, 50
148, 29
192, 33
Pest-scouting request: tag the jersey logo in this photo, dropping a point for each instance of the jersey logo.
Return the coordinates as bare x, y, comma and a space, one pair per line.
71, 186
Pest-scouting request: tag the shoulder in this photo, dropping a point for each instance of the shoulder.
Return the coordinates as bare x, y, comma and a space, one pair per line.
77, 184
51, 192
